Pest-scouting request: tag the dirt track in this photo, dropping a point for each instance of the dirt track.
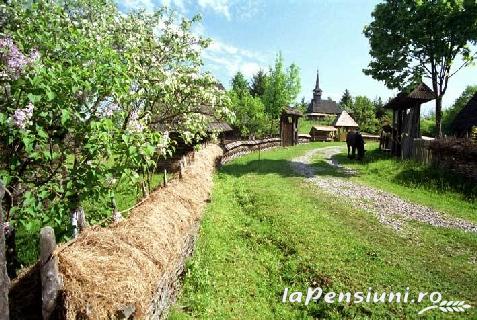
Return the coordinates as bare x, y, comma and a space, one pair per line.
389, 208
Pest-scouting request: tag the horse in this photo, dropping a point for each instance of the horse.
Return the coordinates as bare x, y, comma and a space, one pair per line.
354, 140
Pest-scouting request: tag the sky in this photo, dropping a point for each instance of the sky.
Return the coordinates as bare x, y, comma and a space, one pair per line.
324, 35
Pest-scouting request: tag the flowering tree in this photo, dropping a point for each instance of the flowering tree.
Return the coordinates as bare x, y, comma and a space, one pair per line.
85, 89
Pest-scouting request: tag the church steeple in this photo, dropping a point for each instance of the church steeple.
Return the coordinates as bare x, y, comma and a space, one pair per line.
317, 91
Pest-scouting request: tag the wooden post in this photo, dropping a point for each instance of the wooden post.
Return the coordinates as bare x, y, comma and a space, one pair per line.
4, 279
165, 177
82, 224
50, 278
78, 221
181, 169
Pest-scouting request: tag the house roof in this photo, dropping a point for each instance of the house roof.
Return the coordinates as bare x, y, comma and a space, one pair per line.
323, 128
218, 126
345, 120
421, 94
467, 117
292, 112
323, 106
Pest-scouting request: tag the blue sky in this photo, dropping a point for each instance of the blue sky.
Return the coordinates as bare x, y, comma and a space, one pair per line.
324, 34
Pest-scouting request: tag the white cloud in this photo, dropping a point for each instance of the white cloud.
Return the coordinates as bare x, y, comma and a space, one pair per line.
249, 69
222, 56
218, 6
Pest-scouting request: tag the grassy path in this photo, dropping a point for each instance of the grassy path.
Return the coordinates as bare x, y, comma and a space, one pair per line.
266, 229
334, 179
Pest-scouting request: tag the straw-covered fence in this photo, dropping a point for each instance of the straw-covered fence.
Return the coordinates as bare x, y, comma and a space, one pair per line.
130, 269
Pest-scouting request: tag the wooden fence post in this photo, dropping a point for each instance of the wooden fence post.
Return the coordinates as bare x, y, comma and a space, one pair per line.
50, 278
181, 169
165, 177
4, 279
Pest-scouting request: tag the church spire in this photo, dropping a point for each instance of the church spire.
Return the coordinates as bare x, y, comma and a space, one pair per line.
317, 91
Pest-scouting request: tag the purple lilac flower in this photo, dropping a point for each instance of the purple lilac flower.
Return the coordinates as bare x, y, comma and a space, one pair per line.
21, 117
14, 59
134, 123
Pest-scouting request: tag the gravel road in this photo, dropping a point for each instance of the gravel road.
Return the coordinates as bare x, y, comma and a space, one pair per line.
389, 208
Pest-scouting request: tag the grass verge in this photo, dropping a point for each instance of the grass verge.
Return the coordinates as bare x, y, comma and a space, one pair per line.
439, 189
266, 229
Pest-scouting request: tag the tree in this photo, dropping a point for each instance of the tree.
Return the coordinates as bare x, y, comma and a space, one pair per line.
257, 89
282, 87
302, 106
411, 39
240, 84
450, 114
364, 114
250, 117
346, 101
79, 111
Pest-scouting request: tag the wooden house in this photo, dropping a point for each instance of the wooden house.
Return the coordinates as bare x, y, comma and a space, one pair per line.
289, 126
322, 133
344, 123
406, 108
465, 122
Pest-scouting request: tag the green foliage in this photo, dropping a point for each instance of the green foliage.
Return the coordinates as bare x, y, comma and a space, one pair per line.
259, 80
282, 87
240, 84
346, 101
258, 107
428, 125
364, 114
78, 117
251, 119
411, 39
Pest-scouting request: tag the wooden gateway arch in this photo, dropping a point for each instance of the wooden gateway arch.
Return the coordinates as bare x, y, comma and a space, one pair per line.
406, 119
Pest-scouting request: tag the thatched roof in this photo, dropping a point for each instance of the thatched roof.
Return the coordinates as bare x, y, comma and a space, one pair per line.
218, 126
292, 112
323, 128
467, 117
404, 100
345, 120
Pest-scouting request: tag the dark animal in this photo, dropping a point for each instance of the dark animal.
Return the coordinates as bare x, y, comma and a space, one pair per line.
350, 138
356, 142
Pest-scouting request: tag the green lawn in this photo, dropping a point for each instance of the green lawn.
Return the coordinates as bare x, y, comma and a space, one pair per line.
441, 190
266, 229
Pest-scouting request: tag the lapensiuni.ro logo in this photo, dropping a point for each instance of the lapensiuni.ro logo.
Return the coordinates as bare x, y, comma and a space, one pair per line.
370, 296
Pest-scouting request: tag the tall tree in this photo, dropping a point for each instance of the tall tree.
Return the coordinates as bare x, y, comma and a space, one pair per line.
346, 100
257, 88
282, 87
240, 84
410, 39
363, 113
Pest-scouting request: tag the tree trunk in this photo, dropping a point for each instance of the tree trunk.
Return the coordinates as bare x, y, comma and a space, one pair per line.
439, 117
